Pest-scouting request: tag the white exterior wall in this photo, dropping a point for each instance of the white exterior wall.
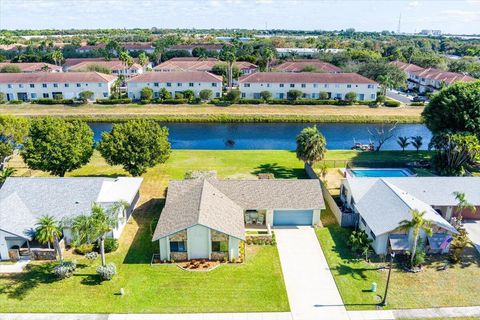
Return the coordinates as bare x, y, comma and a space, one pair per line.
233, 248
269, 217
316, 217
134, 88
312, 90
3, 244
99, 89
164, 245
198, 242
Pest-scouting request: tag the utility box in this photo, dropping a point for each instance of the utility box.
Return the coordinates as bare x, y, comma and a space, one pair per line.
373, 287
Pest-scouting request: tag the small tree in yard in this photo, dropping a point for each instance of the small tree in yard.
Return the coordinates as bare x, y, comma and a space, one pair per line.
189, 94
48, 231
311, 145
417, 142
403, 142
463, 204
136, 145
382, 134
85, 96
165, 94
350, 96
459, 243
417, 224
57, 146
265, 95
146, 93
206, 94
294, 95
323, 95
233, 96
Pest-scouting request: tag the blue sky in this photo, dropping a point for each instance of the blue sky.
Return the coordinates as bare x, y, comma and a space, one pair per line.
455, 16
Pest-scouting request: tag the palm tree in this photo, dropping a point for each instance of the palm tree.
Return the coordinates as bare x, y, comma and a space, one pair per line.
57, 57
5, 173
124, 57
143, 59
269, 55
104, 221
417, 142
48, 231
417, 224
83, 227
463, 204
403, 142
228, 55
311, 145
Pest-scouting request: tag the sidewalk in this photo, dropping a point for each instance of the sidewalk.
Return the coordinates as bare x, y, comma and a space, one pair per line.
430, 313
16, 267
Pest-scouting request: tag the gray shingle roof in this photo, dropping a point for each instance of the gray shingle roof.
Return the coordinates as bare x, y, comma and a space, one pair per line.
24, 200
219, 204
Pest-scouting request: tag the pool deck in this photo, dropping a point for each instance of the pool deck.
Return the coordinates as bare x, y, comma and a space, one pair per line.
377, 172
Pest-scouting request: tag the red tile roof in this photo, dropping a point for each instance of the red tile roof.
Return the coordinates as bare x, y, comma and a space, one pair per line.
444, 76
299, 65
138, 46
196, 64
111, 64
31, 66
190, 76
304, 77
60, 77
407, 67
198, 45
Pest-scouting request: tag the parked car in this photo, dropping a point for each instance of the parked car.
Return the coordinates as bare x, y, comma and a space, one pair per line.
420, 99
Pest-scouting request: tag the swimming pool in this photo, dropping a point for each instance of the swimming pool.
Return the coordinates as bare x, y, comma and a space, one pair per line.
380, 173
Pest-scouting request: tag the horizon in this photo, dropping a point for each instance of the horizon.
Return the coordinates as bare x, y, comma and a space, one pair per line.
451, 17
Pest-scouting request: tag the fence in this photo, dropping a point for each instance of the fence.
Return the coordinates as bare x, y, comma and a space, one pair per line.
361, 163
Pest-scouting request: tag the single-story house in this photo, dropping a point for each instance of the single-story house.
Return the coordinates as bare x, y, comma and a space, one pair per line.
23, 200
382, 203
206, 218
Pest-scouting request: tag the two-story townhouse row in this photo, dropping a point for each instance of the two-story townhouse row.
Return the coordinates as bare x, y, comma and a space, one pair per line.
116, 67
429, 79
67, 85
198, 64
306, 65
174, 82
311, 84
29, 67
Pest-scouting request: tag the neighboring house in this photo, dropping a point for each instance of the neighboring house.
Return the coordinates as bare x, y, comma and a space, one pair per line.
24, 200
190, 47
430, 79
116, 67
30, 67
16, 47
301, 65
174, 82
199, 64
130, 47
206, 218
381, 203
67, 85
336, 85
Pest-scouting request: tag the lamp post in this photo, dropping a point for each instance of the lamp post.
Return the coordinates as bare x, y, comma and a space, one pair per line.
384, 300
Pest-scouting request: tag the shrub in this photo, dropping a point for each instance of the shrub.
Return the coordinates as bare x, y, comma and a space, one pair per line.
53, 101
205, 94
189, 94
233, 96
323, 95
165, 94
380, 98
91, 255
110, 245
146, 93
265, 95
350, 96
85, 95
145, 101
179, 95
107, 272
114, 101
174, 101
2, 97
294, 94
391, 103
417, 104
250, 101
84, 248
65, 269
223, 103
15, 102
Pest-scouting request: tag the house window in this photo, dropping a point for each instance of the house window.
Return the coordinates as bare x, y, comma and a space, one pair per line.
373, 235
282, 85
78, 85
304, 85
9, 86
179, 84
325, 85
214, 84
55, 85
20, 85
105, 94
34, 95
178, 246
100, 84
67, 85
219, 246
44, 85
190, 84
246, 85
372, 96
45, 95
370, 86
315, 85
32, 85
292, 85
349, 85
169, 84
156, 84
243, 95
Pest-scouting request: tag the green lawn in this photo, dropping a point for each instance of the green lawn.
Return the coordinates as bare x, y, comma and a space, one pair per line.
427, 289
255, 286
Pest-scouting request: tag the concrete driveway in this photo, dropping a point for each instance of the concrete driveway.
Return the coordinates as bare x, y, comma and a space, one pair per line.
473, 229
311, 290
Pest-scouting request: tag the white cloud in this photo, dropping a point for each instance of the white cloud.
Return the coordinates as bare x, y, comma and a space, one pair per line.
414, 4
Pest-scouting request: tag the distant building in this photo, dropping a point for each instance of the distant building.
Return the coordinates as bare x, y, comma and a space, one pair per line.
130, 47
198, 64
308, 52
306, 65
30, 67
191, 47
67, 85
336, 85
116, 67
175, 82
429, 79
429, 32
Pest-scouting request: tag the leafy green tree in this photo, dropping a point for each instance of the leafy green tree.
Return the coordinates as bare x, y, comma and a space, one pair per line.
48, 230
57, 146
455, 108
136, 145
233, 96
310, 68
459, 243
294, 94
323, 95
83, 229
189, 94
57, 57
9, 68
222, 69
5, 173
417, 142
453, 152
126, 59
403, 142
165, 94
265, 95
311, 145
85, 95
350, 96
205, 94
146, 93
417, 224
143, 59
388, 75
463, 204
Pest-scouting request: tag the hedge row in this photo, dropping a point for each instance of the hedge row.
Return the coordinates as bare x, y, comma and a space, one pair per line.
53, 101
114, 101
391, 103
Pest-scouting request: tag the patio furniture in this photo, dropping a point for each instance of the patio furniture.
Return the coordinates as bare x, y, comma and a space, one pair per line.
248, 219
260, 219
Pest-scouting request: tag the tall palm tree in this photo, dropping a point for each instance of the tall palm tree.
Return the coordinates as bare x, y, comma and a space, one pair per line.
463, 204
403, 142
83, 226
104, 221
228, 55
124, 57
48, 230
417, 142
417, 224
143, 59
311, 145
269, 55
57, 57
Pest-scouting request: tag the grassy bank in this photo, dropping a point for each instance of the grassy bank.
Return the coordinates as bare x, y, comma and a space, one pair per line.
210, 113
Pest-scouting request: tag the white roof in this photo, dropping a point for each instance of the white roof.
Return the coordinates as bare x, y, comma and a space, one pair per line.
120, 189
